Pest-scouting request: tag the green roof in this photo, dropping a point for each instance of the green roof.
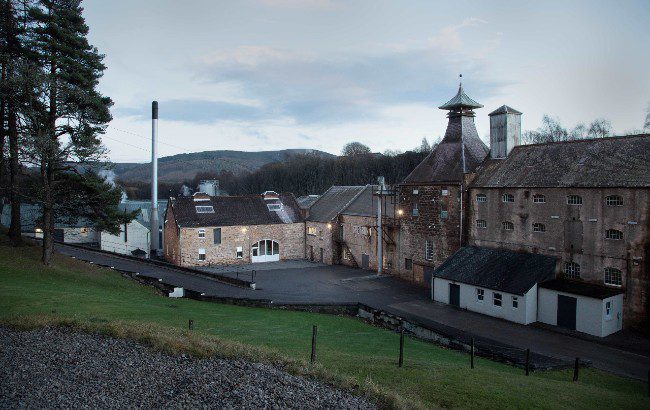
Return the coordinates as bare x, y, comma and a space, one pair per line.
461, 100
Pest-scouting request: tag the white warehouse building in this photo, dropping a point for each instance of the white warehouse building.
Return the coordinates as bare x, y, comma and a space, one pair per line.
522, 287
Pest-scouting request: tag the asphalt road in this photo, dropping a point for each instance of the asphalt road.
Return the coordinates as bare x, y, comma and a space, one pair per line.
306, 282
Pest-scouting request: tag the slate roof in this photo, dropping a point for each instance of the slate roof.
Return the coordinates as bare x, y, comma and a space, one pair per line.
581, 288
504, 109
602, 162
497, 269
234, 211
460, 100
31, 216
306, 201
460, 146
144, 216
366, 204
333, 202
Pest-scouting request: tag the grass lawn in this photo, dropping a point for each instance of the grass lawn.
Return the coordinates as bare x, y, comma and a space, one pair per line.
348, 349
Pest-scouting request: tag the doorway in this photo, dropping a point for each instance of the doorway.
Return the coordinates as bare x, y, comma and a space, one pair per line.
454, 294
566, 312
265, 250
365, 261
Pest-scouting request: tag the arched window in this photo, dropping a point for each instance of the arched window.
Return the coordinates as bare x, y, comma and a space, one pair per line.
614, 200
507, 225
572, 270
613, 234
538, 227
508, 198
539, 199
574, 200
613, 277
265, 250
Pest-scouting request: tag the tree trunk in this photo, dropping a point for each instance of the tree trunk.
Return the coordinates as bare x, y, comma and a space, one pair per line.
14, 169
3, 133
48, 214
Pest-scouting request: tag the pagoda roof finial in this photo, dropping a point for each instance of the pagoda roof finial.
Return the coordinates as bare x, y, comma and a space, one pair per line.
460, 100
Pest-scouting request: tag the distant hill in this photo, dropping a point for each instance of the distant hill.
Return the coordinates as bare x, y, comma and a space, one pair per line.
177, 168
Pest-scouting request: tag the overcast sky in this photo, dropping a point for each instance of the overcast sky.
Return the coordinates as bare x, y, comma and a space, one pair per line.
271, 74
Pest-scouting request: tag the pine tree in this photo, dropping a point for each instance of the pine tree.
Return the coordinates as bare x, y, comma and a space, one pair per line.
73, 112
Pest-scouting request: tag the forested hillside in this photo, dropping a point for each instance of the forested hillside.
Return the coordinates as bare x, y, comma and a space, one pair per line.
300, 174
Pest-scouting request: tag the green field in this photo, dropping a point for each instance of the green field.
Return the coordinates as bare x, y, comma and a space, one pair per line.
350, 352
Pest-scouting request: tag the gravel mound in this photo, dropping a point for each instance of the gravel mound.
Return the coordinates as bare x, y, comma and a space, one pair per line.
55, 368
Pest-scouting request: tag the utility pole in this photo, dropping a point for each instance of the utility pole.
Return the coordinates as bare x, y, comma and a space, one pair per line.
380, 233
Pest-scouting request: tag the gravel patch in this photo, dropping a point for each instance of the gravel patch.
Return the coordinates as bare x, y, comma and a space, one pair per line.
57, 368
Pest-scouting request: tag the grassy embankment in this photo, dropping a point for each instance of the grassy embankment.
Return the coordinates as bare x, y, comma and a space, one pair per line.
350, 352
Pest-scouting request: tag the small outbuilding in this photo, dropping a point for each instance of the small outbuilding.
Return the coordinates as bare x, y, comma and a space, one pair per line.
585, 307
495, 282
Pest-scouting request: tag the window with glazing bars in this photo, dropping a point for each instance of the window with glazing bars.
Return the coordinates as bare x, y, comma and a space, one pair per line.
613, 277
614, 200
574, 200
613, 234
571, 270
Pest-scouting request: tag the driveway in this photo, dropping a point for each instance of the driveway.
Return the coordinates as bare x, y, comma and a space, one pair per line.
307, 282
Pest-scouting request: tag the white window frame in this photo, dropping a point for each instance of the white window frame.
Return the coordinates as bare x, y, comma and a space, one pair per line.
481, 223
539, 199
610, 274
608, 310
415, 191
497, 297
201, 233
311, 230
515, 302
539, 227
201, 253
480, 295
507, 198
204, 209
481, 198
571, 270
444, 192
507, 226
428, 250
239, 252
614, 200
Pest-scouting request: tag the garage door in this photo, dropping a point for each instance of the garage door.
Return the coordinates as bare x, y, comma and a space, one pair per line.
566, 312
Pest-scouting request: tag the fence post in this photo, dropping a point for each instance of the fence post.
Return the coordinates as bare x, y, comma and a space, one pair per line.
527, 361
576, 366
314, 331
648, 383
472, 355
401, 345
190, 325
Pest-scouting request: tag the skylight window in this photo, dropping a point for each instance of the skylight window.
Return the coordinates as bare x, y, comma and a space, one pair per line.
274, 207
204, 209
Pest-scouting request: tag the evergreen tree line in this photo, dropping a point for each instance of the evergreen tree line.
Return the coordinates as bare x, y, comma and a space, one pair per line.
302, 174
52, 117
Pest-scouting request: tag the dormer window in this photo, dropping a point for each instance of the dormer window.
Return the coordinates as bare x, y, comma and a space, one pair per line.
481, 198
204, 209
574, 200
614, 200
508, 198
539, 199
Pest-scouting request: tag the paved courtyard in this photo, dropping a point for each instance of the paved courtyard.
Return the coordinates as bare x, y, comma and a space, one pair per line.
307, 282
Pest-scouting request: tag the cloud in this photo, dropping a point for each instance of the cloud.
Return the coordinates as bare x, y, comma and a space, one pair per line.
350, 86
199, 111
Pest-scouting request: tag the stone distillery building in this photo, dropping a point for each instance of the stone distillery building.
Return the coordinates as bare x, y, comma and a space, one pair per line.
433, 198
205, 230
